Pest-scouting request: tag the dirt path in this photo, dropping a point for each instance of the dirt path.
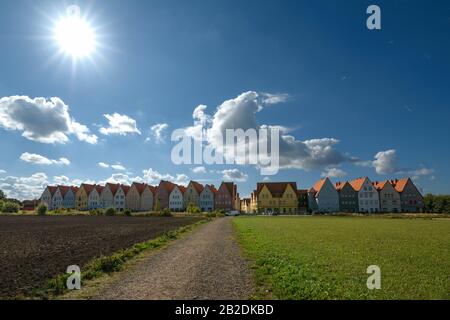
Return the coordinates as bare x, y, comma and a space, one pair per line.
204, 265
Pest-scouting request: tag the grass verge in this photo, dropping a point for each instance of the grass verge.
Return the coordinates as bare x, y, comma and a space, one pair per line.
327, 257
109, 264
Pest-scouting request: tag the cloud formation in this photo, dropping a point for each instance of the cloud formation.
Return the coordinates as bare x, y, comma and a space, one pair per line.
234, 175
41, 160
119, 124
117, 166
42, 120
21, 188
199, 170
333, 173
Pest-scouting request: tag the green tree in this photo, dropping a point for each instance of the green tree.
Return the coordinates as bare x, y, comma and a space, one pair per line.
2, 195
10, 207
41, 210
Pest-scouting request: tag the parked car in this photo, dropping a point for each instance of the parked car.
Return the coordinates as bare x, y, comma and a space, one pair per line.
232, 213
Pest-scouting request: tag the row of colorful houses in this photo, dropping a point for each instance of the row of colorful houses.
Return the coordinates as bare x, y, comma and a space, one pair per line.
358, 195
142, 197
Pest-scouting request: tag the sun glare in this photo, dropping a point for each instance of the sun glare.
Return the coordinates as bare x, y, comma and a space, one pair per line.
75, 36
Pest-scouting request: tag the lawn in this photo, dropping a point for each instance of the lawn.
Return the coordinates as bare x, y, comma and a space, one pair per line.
327, 257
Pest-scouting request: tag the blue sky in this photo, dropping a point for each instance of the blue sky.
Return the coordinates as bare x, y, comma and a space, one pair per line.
369, 92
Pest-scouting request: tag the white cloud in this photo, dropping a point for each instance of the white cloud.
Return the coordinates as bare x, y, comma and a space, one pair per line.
385, 162
119, 125
267, 179
153, 177
118, 167
61, 180
41, 160
103, 165
42, 120
333, 173
240, 113
24, 187
158, 132
234, 175
2, 171
199, 170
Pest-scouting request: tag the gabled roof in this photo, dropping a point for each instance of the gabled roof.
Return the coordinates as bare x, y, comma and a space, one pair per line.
167, 185
277, 189
182, 189
340, 185
113, 187
358, 183
63, 190
379, 185
140, 187
87, 188
74, 189
400, 184
153, 189
197, 186
230, 187
125, 188
302, 191
52, 189
318, 185
99, 188
212, 188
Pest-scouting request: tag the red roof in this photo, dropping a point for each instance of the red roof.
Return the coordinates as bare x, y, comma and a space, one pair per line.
153, 189
340, 185
63, 190
52, 189
140, 187
400, 184
99, 188
319, 184
125, 188
182, 189
169, 186
230, 186
74, 189
197, 186
277, 189
212, 188
113, 187
380, 185
87, 188
358, 183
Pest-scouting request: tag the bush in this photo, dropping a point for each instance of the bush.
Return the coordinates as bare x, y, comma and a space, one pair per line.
192, 208
1, 205
165, 213
41, 210
127, 212
10, 207
110, 212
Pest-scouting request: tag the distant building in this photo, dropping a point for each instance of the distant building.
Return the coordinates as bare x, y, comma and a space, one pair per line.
207, 198
389, 197
323, 197
368, 200
176, 202
277, 197
410, 197
162, 194
245, 206
82, 196
226, 196
302, 197
192, 194
348, 197
47, 196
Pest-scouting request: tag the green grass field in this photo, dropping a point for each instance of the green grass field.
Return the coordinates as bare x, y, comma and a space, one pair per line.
327, 257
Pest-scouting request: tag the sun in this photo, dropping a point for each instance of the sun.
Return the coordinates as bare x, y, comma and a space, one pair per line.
75, 36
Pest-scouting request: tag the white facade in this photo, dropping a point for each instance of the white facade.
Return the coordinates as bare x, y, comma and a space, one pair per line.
119, 199
176, 202
368, 199
47, 198
57, 200
93, 199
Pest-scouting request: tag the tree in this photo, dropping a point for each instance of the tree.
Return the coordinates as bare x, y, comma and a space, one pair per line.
2, 195
41, 210
10, 207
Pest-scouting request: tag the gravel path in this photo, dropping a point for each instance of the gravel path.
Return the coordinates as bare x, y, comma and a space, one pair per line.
207, 264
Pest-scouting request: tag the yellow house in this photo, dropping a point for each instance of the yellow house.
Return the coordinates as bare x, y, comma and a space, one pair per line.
277, 197
81, 197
